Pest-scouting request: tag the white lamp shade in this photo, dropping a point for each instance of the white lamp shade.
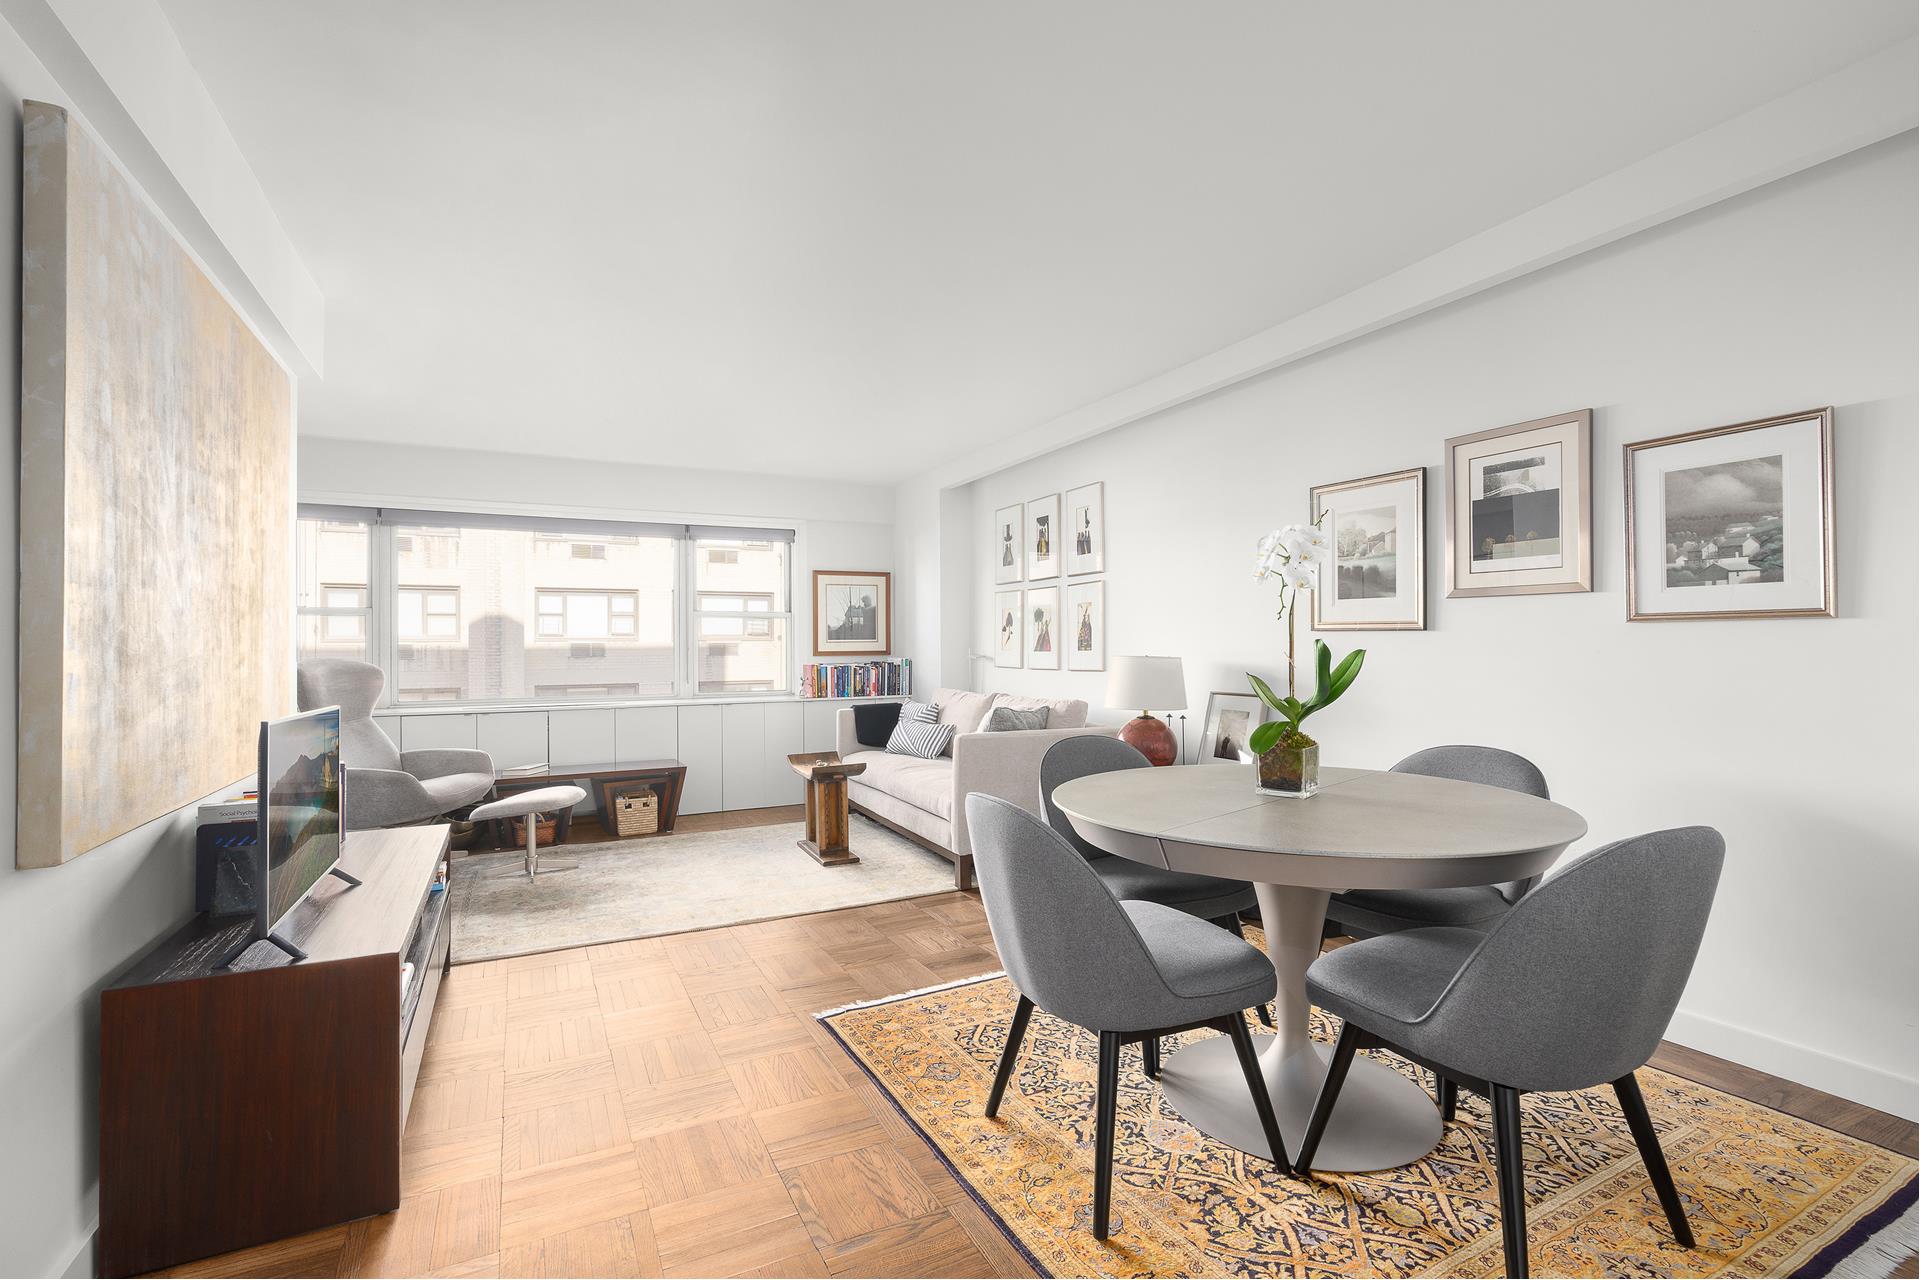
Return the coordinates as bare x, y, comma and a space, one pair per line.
1146, 683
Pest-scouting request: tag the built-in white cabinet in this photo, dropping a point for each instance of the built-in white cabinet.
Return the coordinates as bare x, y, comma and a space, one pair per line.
735, 752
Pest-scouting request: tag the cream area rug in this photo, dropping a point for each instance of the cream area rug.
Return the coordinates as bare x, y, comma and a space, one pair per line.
675, 883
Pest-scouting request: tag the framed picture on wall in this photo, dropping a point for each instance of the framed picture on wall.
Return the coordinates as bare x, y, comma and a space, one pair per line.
1043, 628
852, 613
1377, 578
1230, 718
1043, 537
1733, 522
1009, 630
1009, 545
1086, 529
1520, 508
1086, 624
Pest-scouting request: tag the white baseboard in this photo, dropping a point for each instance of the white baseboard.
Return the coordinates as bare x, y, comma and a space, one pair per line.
1855, 1081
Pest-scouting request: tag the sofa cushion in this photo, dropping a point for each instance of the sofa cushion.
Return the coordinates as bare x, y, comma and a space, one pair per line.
873, 722
1015, 719
919, 732
965, 711
1062, 713
927, 785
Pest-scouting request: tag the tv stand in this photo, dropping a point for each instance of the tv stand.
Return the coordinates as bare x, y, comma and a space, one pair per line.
243, 1105
240, 948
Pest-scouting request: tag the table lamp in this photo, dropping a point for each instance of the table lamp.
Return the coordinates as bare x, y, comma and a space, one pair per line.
1144, 681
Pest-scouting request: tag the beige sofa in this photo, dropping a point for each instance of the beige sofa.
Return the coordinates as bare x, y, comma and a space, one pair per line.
925, 800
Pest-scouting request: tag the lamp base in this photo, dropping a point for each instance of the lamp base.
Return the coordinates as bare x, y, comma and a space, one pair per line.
1151, 738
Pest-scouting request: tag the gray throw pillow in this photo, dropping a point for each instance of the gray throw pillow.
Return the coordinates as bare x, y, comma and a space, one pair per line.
1014, 719
919, 732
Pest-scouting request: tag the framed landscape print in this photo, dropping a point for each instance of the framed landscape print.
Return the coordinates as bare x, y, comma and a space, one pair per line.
1230, 718
1087, 626
1043, 628
1733, 522
1086, 529
1377, 578
1009, 545
1520, 508
1043, 537
1009, 630
852, 613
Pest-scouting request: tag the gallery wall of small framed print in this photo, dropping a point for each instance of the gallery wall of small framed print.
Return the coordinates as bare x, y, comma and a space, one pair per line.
1086, 626
1043, 628
1010, 544
1520, 508
1086, 529
1732, 522
1376, 578
1009, 629
1043, 538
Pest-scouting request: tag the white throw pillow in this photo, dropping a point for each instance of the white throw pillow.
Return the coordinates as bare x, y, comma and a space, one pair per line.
919, 732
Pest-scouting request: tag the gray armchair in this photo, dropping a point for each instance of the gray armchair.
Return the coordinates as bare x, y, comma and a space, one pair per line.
385, 786
1571, 988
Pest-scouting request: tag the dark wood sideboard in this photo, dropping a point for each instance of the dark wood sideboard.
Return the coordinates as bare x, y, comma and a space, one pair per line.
245, 1105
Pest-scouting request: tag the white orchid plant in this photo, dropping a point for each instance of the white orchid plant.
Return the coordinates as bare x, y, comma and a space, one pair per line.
1295, 555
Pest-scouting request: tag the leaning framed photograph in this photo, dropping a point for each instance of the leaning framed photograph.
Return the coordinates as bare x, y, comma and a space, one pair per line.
1009, 630
1378, 578
1043, 537
1733, 522
1520, 508
1087, 626
1230, 718
1086, 529
1043, 628
1009, 545
852, 613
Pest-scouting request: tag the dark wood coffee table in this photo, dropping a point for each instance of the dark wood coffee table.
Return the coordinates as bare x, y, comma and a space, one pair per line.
667, 778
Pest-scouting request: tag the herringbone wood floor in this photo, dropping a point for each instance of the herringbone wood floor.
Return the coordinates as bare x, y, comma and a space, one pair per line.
669, 1107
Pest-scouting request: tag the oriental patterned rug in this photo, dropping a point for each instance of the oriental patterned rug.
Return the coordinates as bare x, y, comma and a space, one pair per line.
1768, 1195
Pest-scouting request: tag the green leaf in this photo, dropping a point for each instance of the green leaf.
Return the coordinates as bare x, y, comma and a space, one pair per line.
1265, 735
1346, 673
1267, 695
1322, 677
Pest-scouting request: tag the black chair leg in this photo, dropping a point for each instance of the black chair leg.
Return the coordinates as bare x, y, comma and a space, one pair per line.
1627, 1089
1449, 1098
1016, 1033
1150, 1056
1235, 1026
1352, 1039
1106, 1099
1513, 1177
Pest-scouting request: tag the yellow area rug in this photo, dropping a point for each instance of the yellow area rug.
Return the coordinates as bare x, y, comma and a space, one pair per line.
1768, 1195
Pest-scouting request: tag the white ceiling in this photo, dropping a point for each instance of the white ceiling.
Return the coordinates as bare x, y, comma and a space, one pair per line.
861, 239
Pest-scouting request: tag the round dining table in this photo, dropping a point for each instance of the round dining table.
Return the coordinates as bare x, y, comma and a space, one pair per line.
1363, 829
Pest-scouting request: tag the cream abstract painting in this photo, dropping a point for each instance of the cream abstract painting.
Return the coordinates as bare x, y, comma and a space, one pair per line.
155, 512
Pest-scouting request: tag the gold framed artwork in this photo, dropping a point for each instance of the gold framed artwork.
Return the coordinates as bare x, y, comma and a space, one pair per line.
852, 613
156, 431
1732, 522
1376, 576
1520, 508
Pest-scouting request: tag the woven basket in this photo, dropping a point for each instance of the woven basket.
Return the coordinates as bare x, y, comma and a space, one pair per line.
637, 813
549, 831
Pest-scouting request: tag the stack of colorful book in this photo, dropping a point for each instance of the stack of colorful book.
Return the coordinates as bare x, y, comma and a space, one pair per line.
857, 679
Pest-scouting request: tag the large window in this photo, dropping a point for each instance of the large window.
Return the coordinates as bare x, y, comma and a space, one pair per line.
461, 608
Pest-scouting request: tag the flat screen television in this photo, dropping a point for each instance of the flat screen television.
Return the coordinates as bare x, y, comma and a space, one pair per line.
298, 832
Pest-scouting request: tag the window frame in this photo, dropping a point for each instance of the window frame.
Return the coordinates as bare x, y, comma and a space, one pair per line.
381, 616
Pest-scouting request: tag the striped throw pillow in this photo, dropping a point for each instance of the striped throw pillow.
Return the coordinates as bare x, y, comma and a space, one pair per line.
919, 732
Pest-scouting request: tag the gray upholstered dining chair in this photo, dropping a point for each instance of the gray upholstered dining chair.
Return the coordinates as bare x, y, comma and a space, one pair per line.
384, 786
1365, 913
1570, 989
1208, 897
1131, 971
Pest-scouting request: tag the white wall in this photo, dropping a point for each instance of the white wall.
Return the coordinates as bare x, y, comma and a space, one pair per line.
1794, 737
64, 931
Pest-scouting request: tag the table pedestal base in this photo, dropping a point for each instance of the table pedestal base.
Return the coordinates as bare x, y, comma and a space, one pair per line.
1383, 1120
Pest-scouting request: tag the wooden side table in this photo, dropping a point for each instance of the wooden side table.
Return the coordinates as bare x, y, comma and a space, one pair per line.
826, 774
